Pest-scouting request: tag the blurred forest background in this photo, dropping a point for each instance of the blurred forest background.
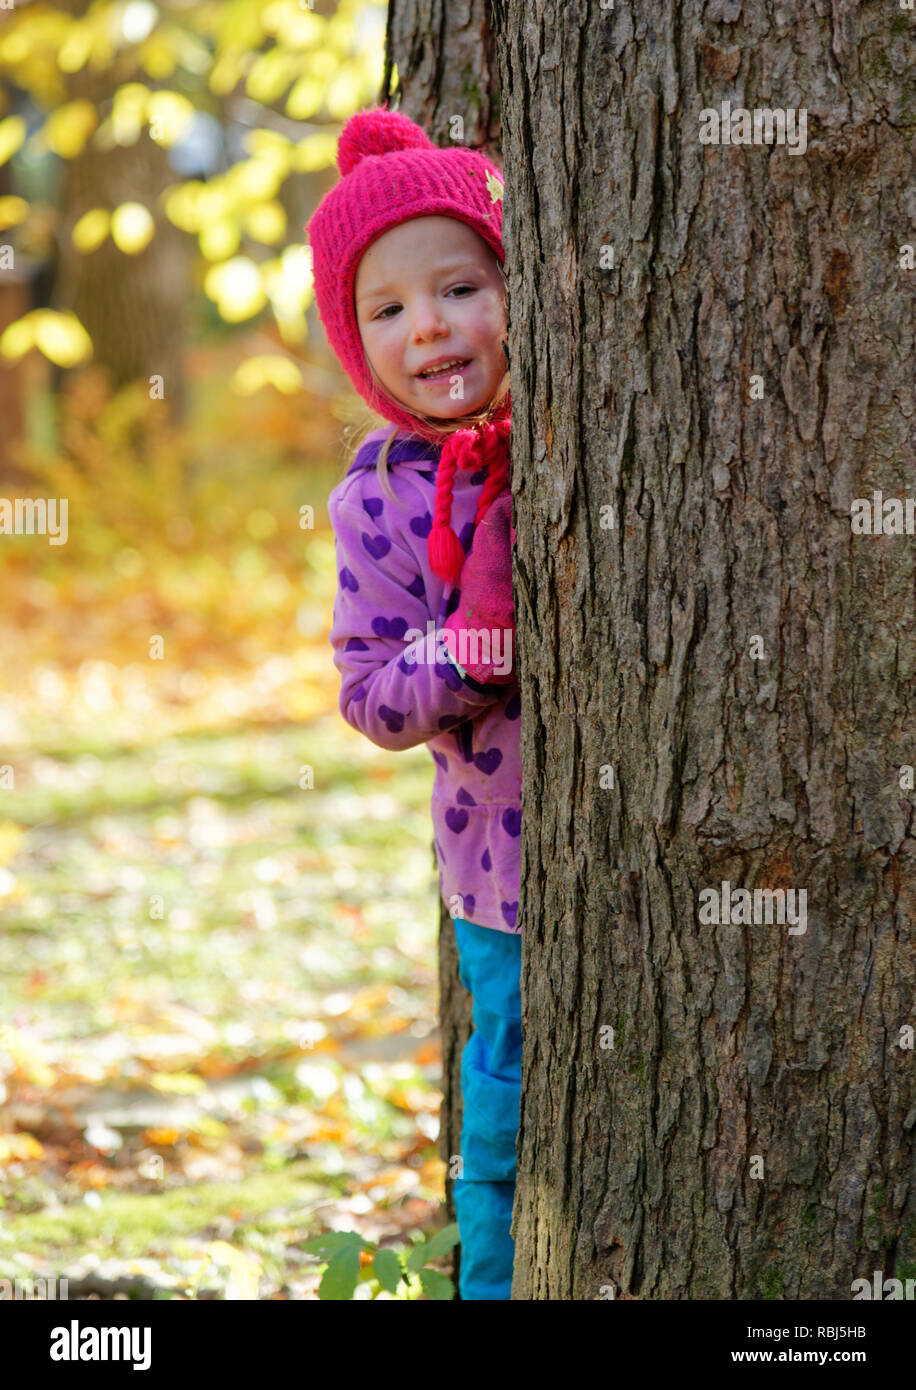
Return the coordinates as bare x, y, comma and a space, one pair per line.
217, 903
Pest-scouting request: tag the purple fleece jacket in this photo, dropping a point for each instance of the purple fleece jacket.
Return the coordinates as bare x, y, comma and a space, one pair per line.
386, 588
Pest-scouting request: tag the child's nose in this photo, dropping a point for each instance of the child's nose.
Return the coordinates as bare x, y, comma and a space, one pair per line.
428, 322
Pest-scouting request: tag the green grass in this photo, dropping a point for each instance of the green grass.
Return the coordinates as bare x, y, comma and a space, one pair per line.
132, 1225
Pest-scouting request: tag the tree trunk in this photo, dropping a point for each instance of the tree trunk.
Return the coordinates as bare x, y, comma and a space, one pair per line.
134, 307
712, 1111
445, 69
14, 303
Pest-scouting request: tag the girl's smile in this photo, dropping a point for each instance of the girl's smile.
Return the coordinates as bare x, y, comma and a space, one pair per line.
430, 304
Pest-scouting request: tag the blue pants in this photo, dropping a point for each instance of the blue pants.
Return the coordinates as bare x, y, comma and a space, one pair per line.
491, 1075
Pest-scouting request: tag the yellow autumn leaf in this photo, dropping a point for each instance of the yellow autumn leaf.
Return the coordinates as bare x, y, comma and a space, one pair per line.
260, 371
26, 1057
410, 1098
67, 129
11, 838
164, 1136
266, 222
323, 64
18, 338
169, 115
205, 1126
269, 145
270, 75
253, 180
494, 188
12, 133
178, 1083
328, 1134
131, 102
296, 28
225, 74
16, 1147
13, 211
371, 64
344, 93
315, 152
132, 228
91, 230
289, 280
219, 239
61, 337
159, 59
75, 49
306, 97
194, 204
14, 48
339, 34
236, 287
292, 324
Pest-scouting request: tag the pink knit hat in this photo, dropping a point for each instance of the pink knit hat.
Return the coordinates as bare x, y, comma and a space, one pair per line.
392, 172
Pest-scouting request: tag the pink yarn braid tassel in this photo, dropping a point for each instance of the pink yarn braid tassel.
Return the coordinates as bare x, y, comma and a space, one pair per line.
471, 449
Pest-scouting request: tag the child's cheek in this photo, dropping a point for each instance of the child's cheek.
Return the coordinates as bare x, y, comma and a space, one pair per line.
495, 318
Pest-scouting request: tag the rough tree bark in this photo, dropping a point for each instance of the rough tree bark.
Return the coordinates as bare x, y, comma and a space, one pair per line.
445, 68
736, 1049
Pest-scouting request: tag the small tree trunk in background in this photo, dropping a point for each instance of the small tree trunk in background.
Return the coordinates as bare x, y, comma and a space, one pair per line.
133, 307
14, 304
712, 354
445, 68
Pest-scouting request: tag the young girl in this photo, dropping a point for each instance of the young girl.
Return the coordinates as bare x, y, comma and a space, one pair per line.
408, 266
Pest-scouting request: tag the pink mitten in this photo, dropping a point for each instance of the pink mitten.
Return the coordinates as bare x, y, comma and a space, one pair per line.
485, 606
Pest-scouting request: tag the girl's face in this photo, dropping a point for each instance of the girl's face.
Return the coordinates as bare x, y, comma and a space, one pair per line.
430, 304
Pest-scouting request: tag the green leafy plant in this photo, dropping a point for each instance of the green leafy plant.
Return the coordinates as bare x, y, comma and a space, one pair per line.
403, 1272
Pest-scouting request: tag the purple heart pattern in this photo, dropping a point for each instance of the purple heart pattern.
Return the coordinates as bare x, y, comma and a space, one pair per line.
489, 761
389, 627
393, 719
377, 546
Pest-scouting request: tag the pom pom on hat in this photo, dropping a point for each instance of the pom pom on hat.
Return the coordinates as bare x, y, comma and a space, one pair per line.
378, 132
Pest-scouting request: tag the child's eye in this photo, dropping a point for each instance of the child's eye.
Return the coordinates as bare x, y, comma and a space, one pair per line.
463, 289
388, 311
